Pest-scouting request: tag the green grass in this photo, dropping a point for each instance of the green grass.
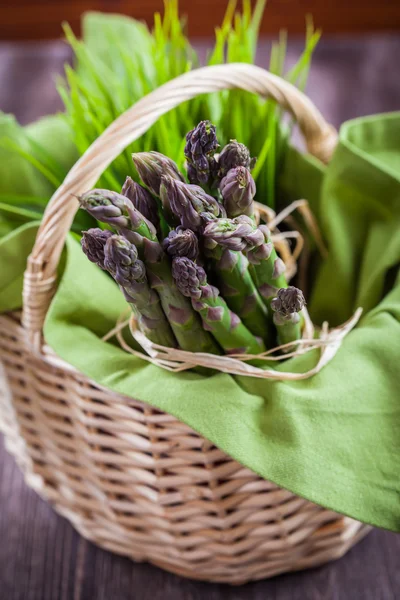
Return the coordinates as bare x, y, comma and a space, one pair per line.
119, 60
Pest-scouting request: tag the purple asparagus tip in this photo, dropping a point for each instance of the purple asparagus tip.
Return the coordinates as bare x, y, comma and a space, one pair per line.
93, 243
189, 203
151, 166
201, 144
288, 301
234, 155
239, 234
106, 206
189, 277
121, 260
238, 190
182, 242
114, 209
142, 200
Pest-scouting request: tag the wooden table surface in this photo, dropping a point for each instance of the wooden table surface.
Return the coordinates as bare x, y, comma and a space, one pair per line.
41, 556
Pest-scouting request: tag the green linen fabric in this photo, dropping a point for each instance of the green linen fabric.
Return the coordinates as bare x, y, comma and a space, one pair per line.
332, 438
49, 134
24, 190
34, 161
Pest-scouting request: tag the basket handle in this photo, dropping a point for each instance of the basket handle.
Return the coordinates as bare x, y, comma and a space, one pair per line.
40, 274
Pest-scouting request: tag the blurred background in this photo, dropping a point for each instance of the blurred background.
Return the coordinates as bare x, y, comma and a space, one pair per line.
354, 68
40, 19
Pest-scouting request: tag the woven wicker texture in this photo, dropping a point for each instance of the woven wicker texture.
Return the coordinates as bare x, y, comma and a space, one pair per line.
140, 483
130, 478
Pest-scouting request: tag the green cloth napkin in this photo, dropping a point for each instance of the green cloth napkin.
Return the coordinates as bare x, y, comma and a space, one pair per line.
25, 187
332, 438
34, 161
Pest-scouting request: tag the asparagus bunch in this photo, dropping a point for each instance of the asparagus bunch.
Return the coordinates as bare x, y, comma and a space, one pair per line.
189, 257
118, 211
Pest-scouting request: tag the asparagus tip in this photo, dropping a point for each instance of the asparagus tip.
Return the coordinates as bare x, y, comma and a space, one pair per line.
288, 301
93, 244
188, 277
182, 242
121, 260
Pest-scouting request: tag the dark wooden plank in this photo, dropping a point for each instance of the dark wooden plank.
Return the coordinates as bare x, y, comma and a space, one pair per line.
41, 556
41, 19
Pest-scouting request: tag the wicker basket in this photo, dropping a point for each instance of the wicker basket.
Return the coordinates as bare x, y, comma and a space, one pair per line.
130, 478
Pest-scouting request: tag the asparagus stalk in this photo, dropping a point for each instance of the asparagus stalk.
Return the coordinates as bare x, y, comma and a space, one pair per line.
234, 155
122, 262
116, 255
184, 321
201, 144
151, 166
241, 234
232, 270
225, 325
286, 306
108, 207
238, 289
142, 200
189, 203
238, 190
266, 268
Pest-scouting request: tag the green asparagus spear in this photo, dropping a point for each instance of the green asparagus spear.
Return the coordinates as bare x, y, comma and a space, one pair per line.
234, 155
119, 257
225, 325
142, 200
189, 203
238, 289
241, 234
286, 306
114, 209
266, 268
238, 190
201, 144
151, 166
121, 260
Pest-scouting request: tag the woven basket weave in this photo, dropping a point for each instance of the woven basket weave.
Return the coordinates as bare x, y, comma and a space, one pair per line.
131, 478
